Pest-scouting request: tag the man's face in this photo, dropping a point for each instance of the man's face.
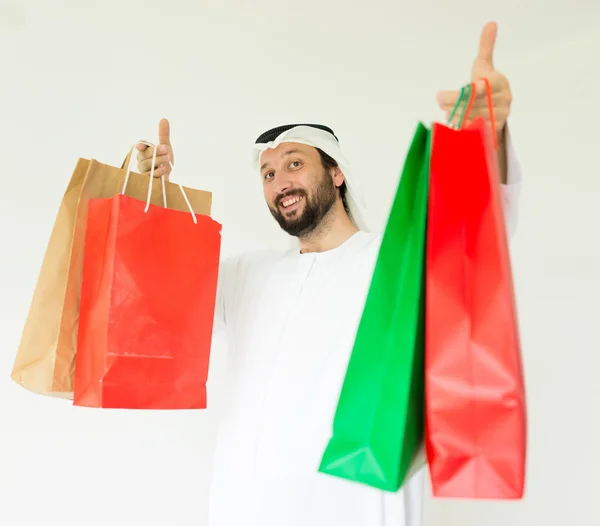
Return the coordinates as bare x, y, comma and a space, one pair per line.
298, 189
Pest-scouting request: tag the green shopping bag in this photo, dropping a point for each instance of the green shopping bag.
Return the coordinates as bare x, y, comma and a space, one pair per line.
378, 425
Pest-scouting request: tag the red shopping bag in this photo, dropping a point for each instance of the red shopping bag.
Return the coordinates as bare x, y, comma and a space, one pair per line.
147, 306
474, 388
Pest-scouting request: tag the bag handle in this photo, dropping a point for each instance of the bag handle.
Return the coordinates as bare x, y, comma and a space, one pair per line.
471, 89
488, 91
164, 190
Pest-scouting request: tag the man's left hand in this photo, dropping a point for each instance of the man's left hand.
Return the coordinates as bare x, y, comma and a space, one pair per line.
483, 67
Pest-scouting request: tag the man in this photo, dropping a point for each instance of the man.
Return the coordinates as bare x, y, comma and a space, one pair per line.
291, 319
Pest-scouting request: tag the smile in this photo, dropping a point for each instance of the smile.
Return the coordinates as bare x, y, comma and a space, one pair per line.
291, 202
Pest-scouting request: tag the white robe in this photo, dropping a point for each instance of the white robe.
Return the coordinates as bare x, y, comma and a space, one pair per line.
291, 320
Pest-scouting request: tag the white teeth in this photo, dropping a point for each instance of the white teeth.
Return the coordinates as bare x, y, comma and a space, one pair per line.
291, 201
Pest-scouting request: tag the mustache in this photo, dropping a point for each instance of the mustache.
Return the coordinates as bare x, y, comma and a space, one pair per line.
287, 195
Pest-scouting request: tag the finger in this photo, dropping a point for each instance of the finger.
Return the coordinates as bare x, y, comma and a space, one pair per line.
480, 107
149, 152
484, 107
146, 164
141, 147
500, 116
164, 132
451, 97
157, 173
500, 113
487, 43
160, 171
499, 90
163, 171
497, 81
480, 101
498, 86
145, 154
447, 97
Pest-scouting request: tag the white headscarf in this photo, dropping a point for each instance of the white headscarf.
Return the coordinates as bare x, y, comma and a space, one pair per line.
326, 142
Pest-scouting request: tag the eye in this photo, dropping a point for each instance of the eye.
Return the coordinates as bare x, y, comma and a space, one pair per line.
268, 176
295, 164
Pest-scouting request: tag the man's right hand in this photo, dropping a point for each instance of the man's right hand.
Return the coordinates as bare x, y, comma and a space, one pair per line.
163, 155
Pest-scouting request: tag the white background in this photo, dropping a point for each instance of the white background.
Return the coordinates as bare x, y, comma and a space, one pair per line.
86, 78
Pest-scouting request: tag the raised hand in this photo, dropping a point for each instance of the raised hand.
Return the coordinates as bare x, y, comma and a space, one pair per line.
164, 153
483, 66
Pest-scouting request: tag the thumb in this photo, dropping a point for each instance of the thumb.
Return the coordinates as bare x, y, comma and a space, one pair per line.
487, 43
164, 132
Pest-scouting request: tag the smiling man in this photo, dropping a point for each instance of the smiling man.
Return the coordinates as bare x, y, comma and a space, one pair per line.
298, 212
291, 319
304, 185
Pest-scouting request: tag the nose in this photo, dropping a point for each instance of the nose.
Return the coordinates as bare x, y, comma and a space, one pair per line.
282, 183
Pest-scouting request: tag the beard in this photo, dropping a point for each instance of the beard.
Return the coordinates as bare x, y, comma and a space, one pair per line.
300, 223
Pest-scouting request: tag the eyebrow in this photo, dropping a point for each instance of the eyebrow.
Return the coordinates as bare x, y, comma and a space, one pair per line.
288, 153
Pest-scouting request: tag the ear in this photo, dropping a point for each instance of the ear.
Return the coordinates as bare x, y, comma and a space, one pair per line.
338, 177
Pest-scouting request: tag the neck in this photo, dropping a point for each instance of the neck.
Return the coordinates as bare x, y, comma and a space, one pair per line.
335, 229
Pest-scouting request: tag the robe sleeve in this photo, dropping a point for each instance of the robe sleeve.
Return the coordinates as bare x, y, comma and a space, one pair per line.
405, 507
225, 293
511, 190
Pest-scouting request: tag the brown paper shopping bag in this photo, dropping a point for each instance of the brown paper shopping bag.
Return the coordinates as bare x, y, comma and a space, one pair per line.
45, 358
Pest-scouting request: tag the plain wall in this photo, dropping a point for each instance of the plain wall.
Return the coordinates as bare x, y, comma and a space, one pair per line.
88, 79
